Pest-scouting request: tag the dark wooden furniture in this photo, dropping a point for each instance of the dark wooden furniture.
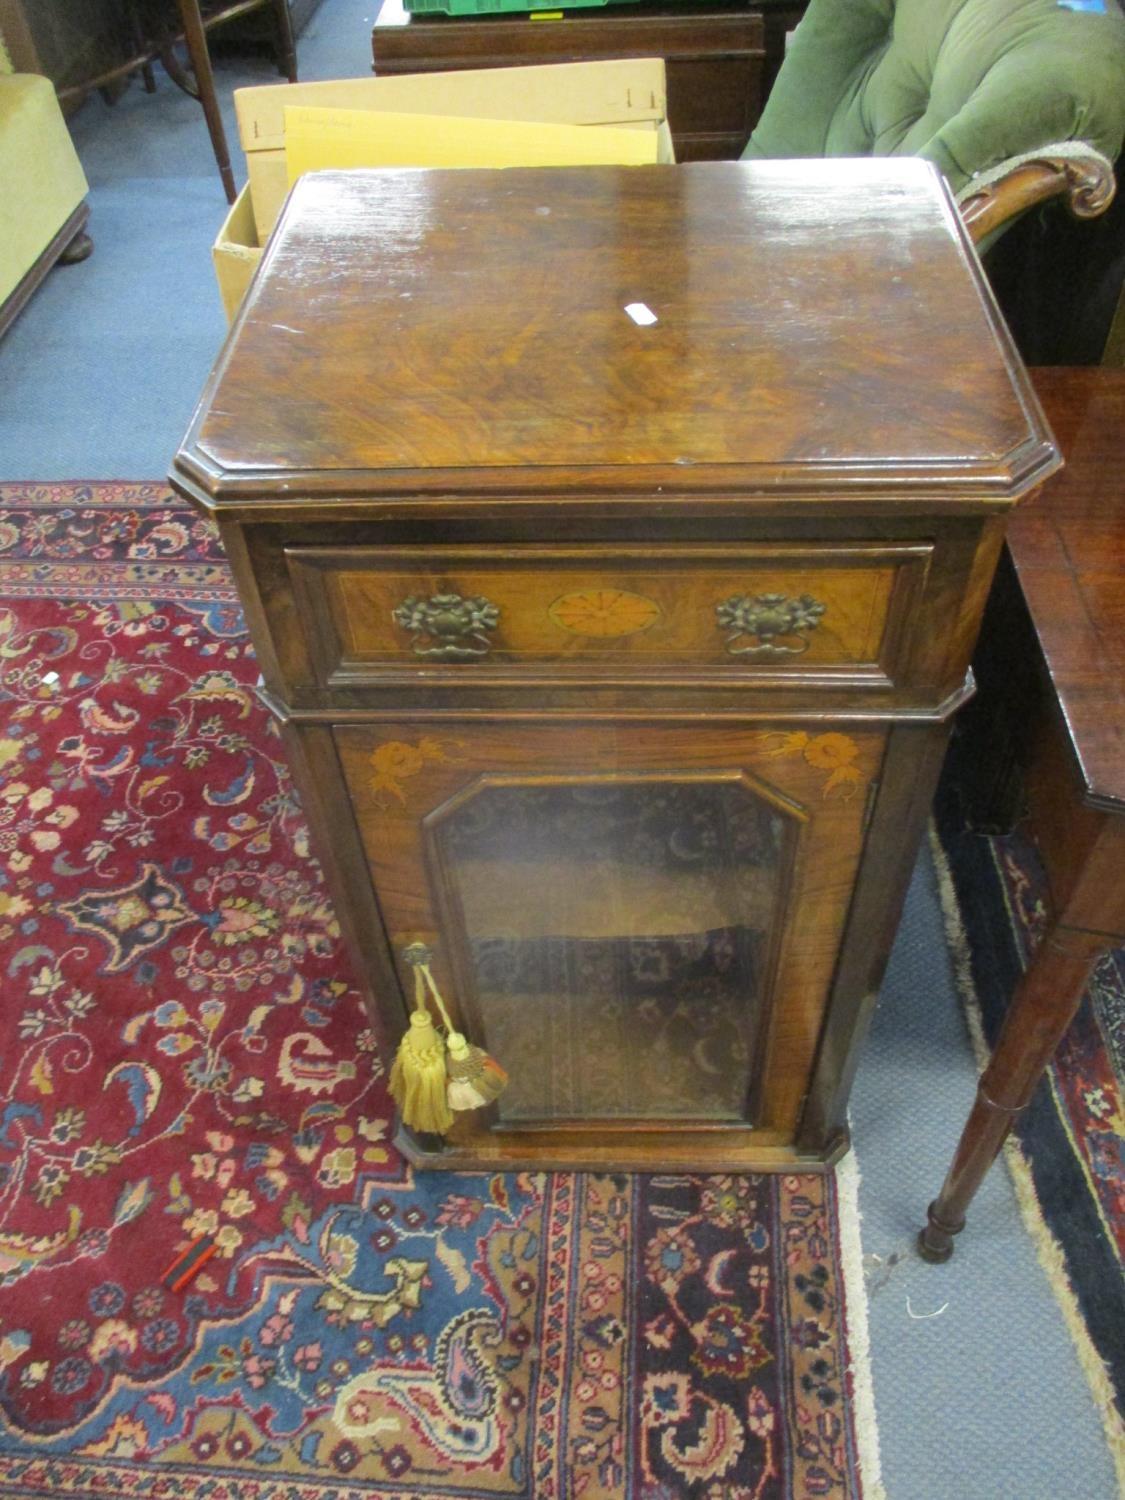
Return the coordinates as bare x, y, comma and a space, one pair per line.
154, 37
716, 57
1054, 684
616, 662
1084, 184
64, 40
251, 29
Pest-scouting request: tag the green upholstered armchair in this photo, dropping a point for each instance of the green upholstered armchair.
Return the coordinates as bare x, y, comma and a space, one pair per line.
1016, 101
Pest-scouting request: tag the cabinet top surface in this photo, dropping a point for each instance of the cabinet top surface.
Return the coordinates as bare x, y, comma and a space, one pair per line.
817, 327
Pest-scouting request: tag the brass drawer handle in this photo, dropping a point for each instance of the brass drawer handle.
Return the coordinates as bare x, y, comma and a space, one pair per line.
447, 627
768, 624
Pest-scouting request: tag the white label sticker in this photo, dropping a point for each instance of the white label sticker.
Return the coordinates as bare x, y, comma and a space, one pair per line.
643, 316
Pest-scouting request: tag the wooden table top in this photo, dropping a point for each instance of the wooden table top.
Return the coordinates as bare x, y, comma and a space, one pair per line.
1068, 546
821, 327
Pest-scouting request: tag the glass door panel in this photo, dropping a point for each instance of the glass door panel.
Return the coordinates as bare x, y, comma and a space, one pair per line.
617, 937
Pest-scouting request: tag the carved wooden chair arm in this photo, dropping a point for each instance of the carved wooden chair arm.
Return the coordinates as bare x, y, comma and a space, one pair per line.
1087, 182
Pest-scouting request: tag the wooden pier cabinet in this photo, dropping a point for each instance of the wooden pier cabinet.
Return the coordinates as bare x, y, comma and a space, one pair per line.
614, 542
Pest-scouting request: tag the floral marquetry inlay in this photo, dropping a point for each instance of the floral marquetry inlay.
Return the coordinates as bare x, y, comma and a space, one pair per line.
833, 753
604, 612
395, 761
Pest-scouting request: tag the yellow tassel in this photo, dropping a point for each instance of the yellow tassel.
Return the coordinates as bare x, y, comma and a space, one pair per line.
465, 1078
418, 1081
475, 1077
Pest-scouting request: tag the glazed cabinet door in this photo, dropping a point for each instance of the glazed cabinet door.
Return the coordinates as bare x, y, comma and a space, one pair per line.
640, 920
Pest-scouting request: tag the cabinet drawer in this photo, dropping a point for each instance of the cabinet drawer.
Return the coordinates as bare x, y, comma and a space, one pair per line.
771, 611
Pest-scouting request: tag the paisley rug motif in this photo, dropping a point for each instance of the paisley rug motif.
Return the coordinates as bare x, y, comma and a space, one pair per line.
184, 1053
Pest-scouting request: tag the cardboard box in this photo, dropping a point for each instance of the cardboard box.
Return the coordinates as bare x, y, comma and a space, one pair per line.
344, 139
619, 92
626, 93
236, 253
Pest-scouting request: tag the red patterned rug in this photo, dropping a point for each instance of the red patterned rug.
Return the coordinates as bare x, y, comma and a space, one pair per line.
182, 1054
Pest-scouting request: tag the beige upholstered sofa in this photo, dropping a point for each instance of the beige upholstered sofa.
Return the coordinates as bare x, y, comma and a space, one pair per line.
42, 207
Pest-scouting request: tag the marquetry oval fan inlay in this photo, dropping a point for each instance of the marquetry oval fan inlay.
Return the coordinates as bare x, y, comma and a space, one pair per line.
604, 612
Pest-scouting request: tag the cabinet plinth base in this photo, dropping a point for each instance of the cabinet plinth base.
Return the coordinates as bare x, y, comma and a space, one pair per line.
677, 1153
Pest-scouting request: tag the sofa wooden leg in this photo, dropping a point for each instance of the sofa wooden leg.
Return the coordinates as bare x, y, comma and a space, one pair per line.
78, 249
67, 237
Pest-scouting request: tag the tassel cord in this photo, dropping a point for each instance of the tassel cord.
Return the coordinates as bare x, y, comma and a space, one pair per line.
424, 980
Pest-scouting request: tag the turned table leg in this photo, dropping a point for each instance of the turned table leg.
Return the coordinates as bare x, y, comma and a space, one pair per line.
196, 38
1041, 1008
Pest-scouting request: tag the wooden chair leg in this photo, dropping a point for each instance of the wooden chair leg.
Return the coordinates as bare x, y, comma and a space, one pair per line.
196, 38
140, 46
286, 41
1041, 1008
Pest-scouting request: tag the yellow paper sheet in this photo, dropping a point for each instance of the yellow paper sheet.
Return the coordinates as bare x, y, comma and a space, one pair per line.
345, 138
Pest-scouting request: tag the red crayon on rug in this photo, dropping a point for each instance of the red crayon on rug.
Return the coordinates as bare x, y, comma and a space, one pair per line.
189, 1263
